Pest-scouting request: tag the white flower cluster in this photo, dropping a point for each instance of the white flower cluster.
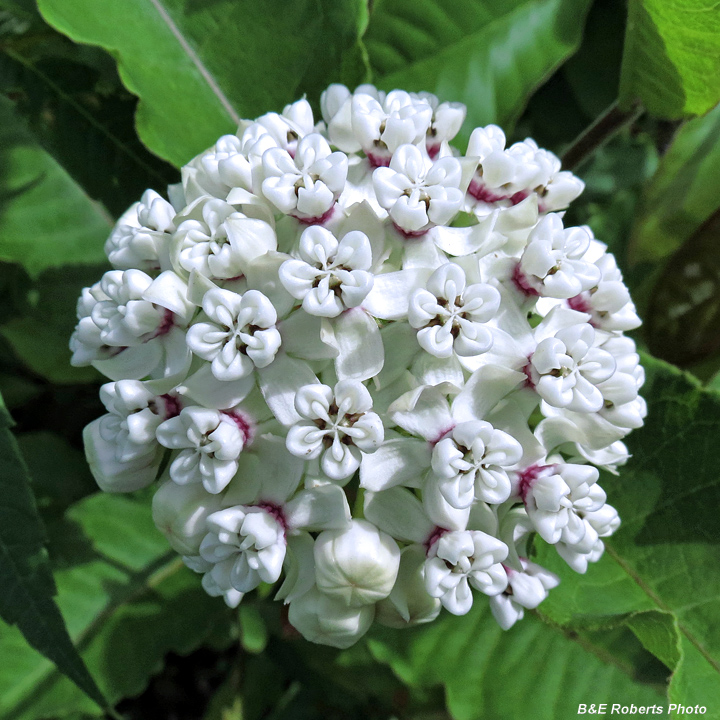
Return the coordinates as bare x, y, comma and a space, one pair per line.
365, 363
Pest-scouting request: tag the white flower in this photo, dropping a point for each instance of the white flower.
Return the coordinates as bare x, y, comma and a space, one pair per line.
120, 447
216, 241
307, 184
210, 442
608, 304
330, 275
461, 560
380, 125
246, 546
123, 317
451, 316
240, 336
557, 498
567, 368
358, 565
337, 427
447, 119
553, 265
141, 237
526, 590
417, 192
472, 463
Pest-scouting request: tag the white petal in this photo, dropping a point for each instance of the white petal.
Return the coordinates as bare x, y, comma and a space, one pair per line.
400, 461
398, 512
321, 508
279, 383
356, 337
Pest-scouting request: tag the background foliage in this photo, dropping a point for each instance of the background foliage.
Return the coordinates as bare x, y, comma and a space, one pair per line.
100, 100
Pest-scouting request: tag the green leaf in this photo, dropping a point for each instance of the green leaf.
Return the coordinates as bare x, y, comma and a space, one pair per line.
253, 631
46, 220
672, 56
664, 558
682, 194
26, 580
532, 671
489, 54
128, 601
199, 66
40, 337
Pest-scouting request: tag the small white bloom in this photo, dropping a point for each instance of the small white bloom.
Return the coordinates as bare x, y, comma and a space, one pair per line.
330, 275
307, 184
114, 314
380, 125
472, 464
337, 427
461, 560
240, 336
525, 590
210, 442
141, 237
567, 369
246, 546
557, 498
450, 316
417, 192
216, 241
553, 265
447, 119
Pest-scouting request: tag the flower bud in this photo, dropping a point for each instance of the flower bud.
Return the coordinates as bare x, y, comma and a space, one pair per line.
179, 513
323, 619
358, 565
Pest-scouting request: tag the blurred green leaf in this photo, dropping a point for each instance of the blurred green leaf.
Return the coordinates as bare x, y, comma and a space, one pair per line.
60, 473
664, 557
40, 337
671, 61
491, 54
46, 220
682, 322
682, 195
128, 601
26, 580
195, 81
532, 671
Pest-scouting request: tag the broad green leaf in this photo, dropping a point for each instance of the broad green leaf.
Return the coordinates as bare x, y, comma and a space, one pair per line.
46, 220
26, 580
128, 601
665, 556
79, 112
198, 67
532, 671
672, 57
489, 54
682, 194
40, 337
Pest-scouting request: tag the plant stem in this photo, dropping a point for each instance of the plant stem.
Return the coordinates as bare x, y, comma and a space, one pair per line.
596, 135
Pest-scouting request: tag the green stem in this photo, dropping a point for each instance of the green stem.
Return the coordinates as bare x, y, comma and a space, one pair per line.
605, 127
